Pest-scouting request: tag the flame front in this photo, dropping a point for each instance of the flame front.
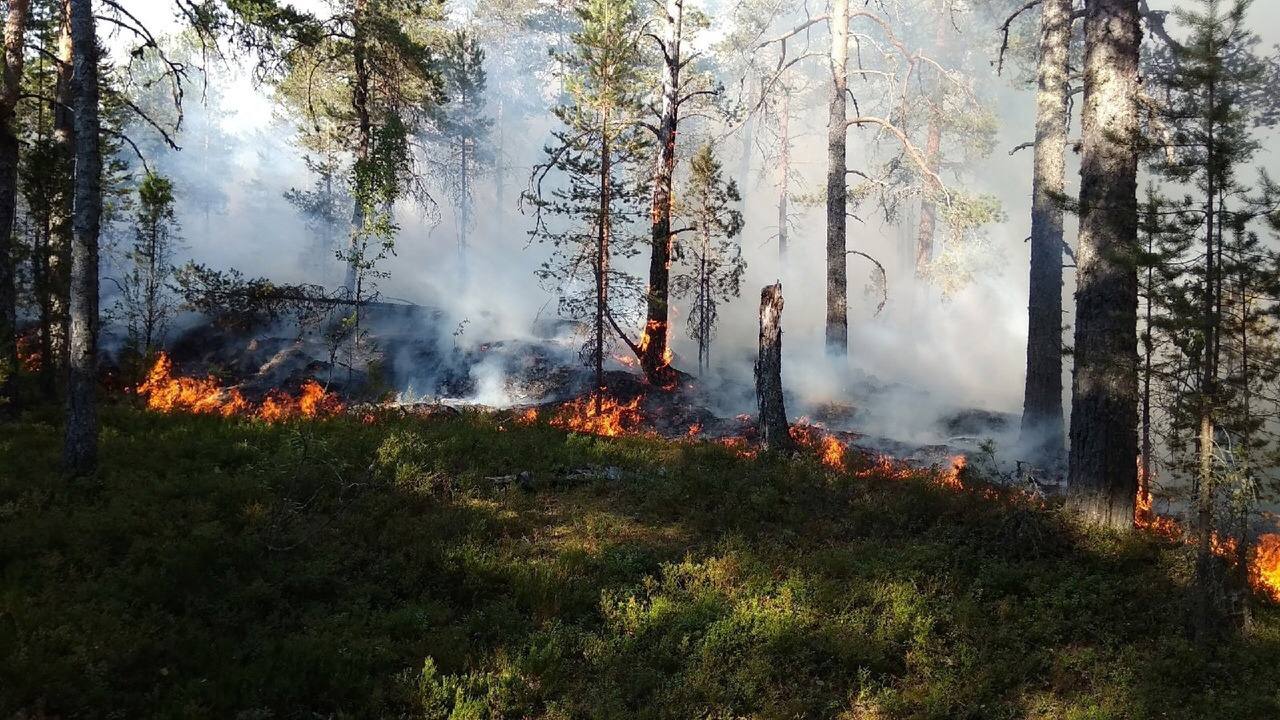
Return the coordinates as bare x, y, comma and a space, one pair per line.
612, 419
167, 393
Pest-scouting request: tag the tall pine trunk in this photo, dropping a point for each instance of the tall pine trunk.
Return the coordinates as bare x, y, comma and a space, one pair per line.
928, 206
14, 30
57, 290
80, 452
653, 357
602, 260
837, 327
1102, 473
1042, 421
364, 142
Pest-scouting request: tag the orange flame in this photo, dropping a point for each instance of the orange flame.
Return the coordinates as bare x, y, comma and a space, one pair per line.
612, 419
166, 393
950, 477
651, 329
829, 450
1264, 571
694, 430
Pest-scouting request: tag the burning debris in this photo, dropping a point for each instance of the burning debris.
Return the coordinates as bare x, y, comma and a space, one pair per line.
166, 392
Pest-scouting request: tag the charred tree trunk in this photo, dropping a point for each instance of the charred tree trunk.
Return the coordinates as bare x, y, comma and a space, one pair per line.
1104, 407
658, 316
773, 414
1042, 421
14, 30
80, 452
837, 328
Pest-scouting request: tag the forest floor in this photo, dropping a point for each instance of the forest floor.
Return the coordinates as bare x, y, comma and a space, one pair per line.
229, 568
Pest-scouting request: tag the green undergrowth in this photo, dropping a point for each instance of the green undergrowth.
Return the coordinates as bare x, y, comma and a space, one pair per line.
474, 567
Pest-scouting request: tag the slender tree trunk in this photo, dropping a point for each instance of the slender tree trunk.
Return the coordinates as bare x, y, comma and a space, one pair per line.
14, 31
773, 414
837, 328
364, 141
80, 452
1207, 405
60, 222
784, 173
1042, 421
1148, 350
464, 211
1102, 473
602, 260
928, 207
657, 320
928, 226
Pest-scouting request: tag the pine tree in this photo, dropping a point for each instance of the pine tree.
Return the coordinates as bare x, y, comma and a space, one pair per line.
463, 126
147, 304
713, 261
1207, 85
589, 220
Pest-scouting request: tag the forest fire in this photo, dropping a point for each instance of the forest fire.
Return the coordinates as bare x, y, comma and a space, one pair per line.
166, 393
829, 450
608, 417
651, 330
950, 476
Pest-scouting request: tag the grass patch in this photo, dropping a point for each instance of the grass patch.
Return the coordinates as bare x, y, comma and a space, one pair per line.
232, 569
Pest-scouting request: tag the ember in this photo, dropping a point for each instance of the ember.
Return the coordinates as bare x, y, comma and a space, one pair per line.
165, 392
613, 418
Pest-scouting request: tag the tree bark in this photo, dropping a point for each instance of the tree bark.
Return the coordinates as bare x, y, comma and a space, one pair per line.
80, 452
837, 327
653, 359
928, 207
774, 433
14, 30
1102, 473
602, 260
57, 251
364, 139
1042, 420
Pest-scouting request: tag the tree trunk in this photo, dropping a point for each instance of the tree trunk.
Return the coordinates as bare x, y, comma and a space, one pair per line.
14, 29
364, 141
58, 277
602, 261
784, 173
1104, 405
774, 434
80, 452
657, 319
464, 211
928, 207
1042, 421
837, 329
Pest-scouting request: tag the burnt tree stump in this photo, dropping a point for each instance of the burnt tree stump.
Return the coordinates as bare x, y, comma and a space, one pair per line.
773, 415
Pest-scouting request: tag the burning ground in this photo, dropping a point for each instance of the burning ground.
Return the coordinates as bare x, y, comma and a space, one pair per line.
538, 380
491, 564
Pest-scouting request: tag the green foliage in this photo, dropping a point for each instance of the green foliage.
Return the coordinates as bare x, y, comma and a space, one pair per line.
712, 267
230, 568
